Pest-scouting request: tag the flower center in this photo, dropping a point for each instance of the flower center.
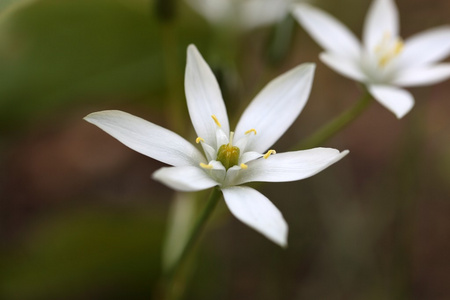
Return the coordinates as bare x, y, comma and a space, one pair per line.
388, 48
228, 154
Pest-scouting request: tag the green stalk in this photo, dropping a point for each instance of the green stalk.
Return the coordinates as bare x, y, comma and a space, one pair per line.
337, 124
193, 237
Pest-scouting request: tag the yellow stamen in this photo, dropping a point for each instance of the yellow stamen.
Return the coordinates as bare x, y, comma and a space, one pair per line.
231, 138
205, 166
216, 120
251, 130
269, 153
398, 47
199, 139
244, 166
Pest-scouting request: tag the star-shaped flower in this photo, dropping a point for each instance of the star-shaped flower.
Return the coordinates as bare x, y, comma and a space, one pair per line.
384, 62
230, 158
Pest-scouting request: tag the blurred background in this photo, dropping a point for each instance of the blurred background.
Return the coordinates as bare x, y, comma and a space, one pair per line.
80, 217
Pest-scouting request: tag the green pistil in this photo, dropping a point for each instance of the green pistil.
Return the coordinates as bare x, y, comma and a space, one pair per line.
228, 155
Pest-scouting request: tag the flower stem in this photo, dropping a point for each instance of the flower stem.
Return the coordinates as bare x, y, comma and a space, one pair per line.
337, 124
193, 235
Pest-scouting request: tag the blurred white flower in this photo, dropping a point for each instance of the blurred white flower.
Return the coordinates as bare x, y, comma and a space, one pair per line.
244, 14
231, 158
384, 62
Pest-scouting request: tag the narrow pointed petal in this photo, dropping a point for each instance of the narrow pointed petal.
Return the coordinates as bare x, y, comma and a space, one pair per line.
398, 101
382, 19
146, 138
204, 98
255, 210
185, 179
328, 32
276, 107
425, 75
426, 47
289, 166
347, 67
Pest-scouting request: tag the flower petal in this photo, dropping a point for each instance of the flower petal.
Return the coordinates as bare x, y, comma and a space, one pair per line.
204, 98
398, 101
382, 19
345, 66
255, 13
426, 47
276, 107
289, 166
185, 179
146, 138
328, 32
216, 11
255, 210
424, 75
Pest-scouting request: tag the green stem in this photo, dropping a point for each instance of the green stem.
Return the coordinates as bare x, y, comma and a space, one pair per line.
334, 126
194, 234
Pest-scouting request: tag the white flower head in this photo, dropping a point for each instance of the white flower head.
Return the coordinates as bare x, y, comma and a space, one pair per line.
230, 158
384, 62
245, 14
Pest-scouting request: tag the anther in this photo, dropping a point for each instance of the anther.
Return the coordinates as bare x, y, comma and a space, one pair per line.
243, 166
269, 153
216, 120
205, 166
199, 139
250, 130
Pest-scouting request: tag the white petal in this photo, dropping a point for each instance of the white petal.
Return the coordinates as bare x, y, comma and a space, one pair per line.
347, 67
381, 20
186, 179
289, 166
215, 11
217, 172
256, 211
209, 151
249, 156
397, 100
146, 138
255, 13
204, 98
328, 32
426, 47
424, 75
276, 107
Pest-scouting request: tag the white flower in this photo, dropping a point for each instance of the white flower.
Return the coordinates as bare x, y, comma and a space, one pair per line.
383, 62
245, 14
231, 158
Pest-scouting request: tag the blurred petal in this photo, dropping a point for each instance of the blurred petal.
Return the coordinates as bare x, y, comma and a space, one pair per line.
256, 211
204, 98
423, 75
395, 99
426, 47
146, 138
347, 67
215, 11
276, 107
328, 32
255, 13
381, 20
180, 220
289, 166
186, 179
